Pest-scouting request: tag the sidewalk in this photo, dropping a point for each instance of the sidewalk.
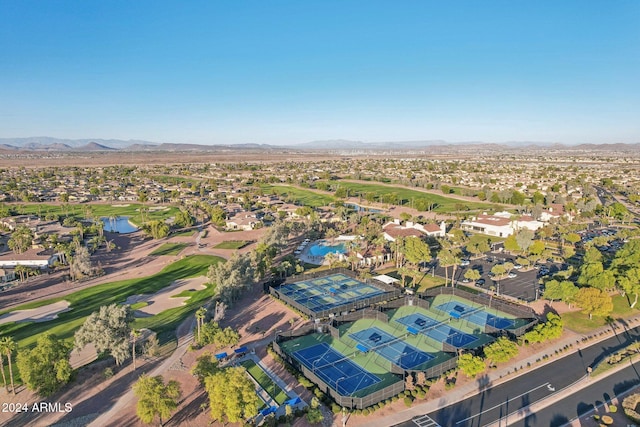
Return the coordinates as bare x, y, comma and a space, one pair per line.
508, 372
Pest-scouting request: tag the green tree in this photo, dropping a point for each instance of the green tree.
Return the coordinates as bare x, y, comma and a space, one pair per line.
314, 415
205, 365
524, 238
594, 301
471, 365
157, 229
472, 274
108, 329
155, 398
7, 347
45, 368
416, 250
592, 272
511, 244
232, 396
478, 244
502, 350
183, 218
551, 329
20, 239
626, 269
498, 270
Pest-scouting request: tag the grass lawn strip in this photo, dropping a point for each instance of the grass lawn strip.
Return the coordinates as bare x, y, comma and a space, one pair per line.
265, 382
169, 249
305, 197
231, 244
406, 196
579, 322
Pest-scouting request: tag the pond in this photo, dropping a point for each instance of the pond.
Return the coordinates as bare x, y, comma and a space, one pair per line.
119, 224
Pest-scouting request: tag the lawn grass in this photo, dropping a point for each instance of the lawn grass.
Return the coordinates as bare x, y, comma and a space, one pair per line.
265, 381
132, 210
299, 195
183, 233
86, 301
139, 305
580, 322
406, 196
231, 244
169, 249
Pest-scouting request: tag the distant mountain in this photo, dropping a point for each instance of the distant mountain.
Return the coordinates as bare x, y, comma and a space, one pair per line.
48, 143
342, 146
94, 146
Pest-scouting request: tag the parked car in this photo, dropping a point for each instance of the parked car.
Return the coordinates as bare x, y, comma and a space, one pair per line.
464, 262
512, 275
479, 282
517, 266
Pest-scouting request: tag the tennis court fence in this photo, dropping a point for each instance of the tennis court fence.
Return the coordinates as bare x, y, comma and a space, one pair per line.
484, 299
367, 313
346, 401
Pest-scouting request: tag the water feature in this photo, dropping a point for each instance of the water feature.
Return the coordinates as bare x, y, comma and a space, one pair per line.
359, 208
119, 224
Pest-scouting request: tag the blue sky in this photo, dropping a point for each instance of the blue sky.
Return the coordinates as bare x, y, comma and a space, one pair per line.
283, 72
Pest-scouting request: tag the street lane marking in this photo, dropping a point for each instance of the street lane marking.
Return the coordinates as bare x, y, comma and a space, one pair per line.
425, 421
499, 405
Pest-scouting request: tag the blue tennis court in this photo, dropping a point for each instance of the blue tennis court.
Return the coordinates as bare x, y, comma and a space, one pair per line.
325, 293
477, 316
394, 349
438, 331
340, 373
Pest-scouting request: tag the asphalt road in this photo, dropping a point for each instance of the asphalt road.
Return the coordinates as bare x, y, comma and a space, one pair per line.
584, 401
494, 403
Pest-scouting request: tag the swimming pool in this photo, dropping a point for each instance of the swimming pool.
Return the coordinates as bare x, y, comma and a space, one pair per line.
323, 247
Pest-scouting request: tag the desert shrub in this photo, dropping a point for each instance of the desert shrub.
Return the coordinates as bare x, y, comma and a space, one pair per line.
108, 373
408, 400
335, 408
365, 411
629, 405
613, 408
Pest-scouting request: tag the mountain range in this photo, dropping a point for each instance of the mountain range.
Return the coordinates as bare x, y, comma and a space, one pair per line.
46, 144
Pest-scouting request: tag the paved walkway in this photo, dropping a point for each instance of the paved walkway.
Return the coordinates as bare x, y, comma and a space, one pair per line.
506, 373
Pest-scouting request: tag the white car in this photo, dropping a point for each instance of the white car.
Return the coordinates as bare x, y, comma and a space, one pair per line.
517, 266
512, 275
464, 262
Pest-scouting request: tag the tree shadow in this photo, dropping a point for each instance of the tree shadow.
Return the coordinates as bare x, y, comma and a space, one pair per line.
451, 416
558, 420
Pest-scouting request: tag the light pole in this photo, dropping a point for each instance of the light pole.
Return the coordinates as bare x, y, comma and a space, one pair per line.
313, 365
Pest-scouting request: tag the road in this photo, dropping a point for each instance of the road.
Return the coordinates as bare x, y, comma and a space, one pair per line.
582, 402
493, 403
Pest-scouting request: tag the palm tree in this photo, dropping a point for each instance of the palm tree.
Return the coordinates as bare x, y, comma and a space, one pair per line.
135, 334
8, 346
200, 315
4, 377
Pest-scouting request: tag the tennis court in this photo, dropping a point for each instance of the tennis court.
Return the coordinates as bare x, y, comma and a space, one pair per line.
437, 330
394, 349
475, 315
340, 373
325, 293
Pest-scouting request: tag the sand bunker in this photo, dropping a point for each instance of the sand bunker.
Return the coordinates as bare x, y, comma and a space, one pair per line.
162, 300
40, 314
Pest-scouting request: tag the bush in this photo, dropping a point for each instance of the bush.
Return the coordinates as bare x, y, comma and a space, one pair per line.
613, 408
335, 408
108, 373
365, 411
422, 394
408, 401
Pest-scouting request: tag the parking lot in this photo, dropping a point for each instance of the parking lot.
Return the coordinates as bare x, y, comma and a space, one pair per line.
523, 286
